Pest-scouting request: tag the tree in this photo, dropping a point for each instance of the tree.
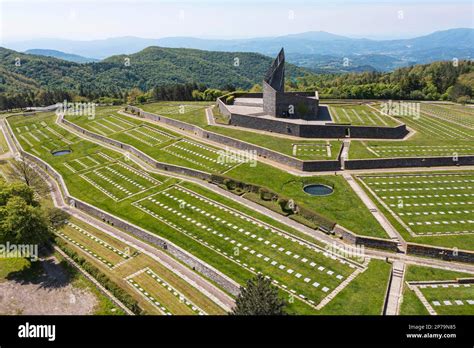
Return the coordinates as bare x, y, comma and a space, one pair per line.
21, 170
21, 223
57, 218
259, 297
134, 94
463, 99
459, 90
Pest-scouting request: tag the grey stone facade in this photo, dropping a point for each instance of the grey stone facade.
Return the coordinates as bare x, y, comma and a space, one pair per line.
279, 104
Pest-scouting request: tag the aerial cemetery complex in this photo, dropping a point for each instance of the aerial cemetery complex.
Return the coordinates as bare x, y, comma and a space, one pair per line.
180, 204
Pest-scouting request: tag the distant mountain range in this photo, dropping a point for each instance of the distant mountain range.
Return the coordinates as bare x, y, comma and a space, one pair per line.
61, 55
319, 50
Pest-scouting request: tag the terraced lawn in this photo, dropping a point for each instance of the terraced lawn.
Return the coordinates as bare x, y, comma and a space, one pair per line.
307, 271
100, 250
302, 149
429, 208
427, 204
441, 130
450, 299
411, 303
354, 300
125, 265
360, 115
454, 113
343, 206
162, 144
192, 112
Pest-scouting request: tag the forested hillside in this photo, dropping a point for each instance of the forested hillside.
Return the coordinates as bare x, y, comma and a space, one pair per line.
435, 81
154, 66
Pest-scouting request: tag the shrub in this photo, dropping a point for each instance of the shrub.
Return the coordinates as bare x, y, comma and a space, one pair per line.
230, 184
230, 100
265, 194
282, 202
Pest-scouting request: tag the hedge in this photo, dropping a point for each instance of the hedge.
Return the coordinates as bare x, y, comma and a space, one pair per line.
268, 195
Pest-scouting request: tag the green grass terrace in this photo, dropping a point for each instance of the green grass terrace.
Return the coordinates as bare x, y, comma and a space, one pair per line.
432, 208
230, 237
440, 130
194, 113
343, 206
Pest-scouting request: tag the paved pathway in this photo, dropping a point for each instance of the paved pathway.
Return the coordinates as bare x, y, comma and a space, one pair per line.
10, 145
346, 144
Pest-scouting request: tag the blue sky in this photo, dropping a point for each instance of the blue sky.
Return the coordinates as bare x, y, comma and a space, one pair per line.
98, 19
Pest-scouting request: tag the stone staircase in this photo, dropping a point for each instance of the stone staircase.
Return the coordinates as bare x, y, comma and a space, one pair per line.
394, 294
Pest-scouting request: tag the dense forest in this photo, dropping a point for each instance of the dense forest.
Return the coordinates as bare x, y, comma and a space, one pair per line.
187, 74
435, 81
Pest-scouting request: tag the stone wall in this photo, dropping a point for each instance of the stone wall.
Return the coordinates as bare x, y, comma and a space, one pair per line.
369, 242
303, 107
446, 254
317, 131
407, 162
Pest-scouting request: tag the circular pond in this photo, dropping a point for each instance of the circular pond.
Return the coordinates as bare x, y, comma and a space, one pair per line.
61, 152
318, 190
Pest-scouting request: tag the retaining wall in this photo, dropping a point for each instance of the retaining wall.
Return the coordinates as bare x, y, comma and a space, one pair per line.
408, 162
447, 254
369, 242
335, 131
